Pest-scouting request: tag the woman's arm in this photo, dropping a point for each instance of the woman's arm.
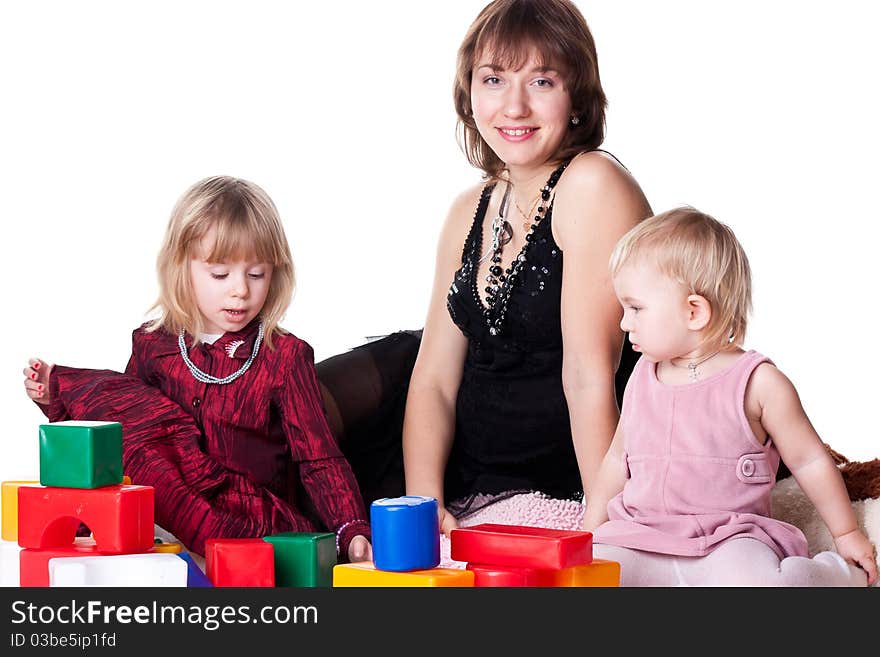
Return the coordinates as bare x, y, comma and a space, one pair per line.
429, 422
781, 414
596, 203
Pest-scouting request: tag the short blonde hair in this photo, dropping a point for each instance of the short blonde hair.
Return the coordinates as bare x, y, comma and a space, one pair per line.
509, 29
247, 224
702, 254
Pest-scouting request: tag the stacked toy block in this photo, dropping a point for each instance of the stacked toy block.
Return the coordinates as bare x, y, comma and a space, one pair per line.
9, 547
406, 548
511, 555
81, 482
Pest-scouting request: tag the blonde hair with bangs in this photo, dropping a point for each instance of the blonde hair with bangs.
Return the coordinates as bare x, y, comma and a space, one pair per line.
246, 224
702, 254
557, 31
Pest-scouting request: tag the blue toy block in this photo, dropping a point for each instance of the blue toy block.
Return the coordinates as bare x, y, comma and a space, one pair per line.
195, 578
406, 533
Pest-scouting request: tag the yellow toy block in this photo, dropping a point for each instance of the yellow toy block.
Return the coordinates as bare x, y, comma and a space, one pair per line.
169, 548
9, 503
365, 574
599, 573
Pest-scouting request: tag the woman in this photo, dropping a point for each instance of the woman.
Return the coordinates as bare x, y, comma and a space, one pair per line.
513, 388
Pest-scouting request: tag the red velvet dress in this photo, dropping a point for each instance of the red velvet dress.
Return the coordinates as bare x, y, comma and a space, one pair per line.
249, 458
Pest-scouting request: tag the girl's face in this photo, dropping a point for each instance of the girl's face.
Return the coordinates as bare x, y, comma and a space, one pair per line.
522, 115
655, 312
228, 294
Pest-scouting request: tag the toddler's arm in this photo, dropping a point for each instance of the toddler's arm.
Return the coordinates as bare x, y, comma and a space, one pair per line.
609, 482
800, 447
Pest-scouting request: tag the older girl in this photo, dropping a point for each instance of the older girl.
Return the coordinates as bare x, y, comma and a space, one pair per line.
220, 407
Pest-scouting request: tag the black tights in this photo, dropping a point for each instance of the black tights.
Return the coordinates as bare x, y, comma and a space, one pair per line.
364, 392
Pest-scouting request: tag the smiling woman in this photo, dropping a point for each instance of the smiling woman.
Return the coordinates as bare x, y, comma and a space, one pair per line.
514, 385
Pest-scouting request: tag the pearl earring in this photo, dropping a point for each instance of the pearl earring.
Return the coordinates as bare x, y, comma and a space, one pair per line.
575, 120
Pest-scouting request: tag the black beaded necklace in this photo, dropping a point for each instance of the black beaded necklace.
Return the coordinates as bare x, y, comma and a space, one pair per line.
501, 283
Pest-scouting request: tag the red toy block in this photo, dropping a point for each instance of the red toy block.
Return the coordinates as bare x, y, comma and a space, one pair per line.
486, 575
120, 517
34, 563
240, 562
524, 547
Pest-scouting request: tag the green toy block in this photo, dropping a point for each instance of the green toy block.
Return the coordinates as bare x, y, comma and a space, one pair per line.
303, 559
76, 454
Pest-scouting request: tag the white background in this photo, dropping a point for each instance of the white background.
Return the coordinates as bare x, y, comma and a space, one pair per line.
763, 114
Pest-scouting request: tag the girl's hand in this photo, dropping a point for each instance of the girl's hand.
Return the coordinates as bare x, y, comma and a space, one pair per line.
36, 380
854, 546
360, 549
447, 521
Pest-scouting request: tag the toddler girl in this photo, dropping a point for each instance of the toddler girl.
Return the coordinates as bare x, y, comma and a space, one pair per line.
683, 494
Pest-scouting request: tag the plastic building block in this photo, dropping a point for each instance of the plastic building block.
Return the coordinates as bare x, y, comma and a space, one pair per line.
195, 576
365, 574
168, 548
149, 569
303, 558
406, 533
488, 575
9, 568
9, 503
120, 517
598, 573
77, 454
240, 562
35, 563
126, 480
527, 547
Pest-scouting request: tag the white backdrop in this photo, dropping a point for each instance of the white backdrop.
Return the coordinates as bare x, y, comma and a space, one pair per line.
763, 114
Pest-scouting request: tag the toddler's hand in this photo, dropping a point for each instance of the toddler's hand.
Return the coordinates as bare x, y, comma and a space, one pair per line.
360, 549
854, 546
36, 380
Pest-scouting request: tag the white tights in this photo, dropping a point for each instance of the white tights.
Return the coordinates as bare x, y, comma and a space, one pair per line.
740, 562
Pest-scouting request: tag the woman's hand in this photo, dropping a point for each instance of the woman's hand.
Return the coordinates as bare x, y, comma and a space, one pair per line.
360, 549
855, 547
447, 521
36, 380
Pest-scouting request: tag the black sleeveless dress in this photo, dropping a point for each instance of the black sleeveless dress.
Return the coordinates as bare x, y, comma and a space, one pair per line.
512, 427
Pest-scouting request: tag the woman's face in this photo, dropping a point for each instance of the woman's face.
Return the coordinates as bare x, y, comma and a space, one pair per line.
523, 115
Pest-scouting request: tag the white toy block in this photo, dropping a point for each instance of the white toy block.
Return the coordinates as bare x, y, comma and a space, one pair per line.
145, 569
9, 568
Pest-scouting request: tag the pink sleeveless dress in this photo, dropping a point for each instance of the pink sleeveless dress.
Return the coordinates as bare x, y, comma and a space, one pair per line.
696, 474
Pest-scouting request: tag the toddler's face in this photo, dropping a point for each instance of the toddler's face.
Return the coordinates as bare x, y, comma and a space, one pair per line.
655, 311
228, 294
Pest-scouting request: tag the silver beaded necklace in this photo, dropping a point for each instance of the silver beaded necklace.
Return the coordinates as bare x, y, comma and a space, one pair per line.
207, 378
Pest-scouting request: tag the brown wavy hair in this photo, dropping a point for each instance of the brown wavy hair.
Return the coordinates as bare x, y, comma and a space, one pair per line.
246, 223
511, 30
